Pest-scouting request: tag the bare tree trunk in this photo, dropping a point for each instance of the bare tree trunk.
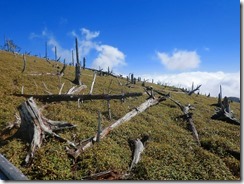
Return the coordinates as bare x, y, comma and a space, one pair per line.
24, 66
77, 66
89, 142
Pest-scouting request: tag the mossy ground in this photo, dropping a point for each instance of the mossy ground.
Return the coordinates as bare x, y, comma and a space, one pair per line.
171, 152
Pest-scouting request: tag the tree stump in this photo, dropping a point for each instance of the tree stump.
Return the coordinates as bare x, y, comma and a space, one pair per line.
34, 126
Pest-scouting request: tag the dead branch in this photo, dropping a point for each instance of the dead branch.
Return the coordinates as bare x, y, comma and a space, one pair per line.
76, 89
93, 81
188, 117
193, 90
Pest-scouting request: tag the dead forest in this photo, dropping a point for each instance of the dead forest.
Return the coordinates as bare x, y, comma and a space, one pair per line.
62, 121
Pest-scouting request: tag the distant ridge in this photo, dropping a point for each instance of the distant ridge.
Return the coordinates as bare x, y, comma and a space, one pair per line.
234, 99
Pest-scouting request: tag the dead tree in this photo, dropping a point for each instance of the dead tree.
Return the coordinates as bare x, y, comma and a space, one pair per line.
84, 63
224, 113
138, 146
193, 90
34, 126
73, 64
83, 145
72, 97
24, 65
188, 116
77, 66
61, 73
220, 97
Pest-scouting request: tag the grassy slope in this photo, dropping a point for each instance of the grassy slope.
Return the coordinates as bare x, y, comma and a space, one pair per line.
171, 153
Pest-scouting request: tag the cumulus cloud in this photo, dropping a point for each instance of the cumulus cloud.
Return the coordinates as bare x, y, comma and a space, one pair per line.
179, 60
210, 81
108, 57
89, 34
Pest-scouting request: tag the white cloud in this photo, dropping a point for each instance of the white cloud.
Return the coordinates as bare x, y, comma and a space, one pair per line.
88, 34
210, 81
108, 57
179, 60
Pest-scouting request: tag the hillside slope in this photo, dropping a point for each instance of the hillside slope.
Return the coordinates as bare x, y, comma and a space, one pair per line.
170, 154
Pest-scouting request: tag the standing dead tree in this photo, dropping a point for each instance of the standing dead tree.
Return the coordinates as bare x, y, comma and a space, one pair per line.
34, 126
83, 145
24, 65
77, 66
188, 116
193, 90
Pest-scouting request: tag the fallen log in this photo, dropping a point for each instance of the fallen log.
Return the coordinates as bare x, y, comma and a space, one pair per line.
9, 171
34, 126
89, 142
71, 97
188, 116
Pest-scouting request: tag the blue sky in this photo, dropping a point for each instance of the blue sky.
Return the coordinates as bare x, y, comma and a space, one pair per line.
153, 38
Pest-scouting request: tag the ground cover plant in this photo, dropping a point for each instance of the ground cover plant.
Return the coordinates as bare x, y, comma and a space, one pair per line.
171, 153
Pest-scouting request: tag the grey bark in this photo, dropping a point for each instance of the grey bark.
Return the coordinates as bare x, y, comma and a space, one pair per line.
89, 142
188, 117
34, 126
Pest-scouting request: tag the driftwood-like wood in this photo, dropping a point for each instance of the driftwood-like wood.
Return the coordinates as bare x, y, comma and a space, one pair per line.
83, 145
224, 113
93, 82
34, 126
138, 147
72, 97
188, 116
76, 89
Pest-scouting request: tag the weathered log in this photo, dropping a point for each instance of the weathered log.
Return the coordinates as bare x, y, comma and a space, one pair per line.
34, 126
72, 97
10, 171
89, 142
188, 116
